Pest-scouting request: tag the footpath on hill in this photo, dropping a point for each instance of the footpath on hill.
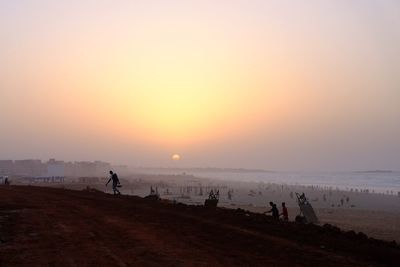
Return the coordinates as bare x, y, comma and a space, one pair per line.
57, 227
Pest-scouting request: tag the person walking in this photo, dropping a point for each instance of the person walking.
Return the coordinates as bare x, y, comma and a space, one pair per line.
274, 210
115, 183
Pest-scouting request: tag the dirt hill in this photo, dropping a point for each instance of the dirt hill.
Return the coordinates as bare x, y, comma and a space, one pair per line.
58, 227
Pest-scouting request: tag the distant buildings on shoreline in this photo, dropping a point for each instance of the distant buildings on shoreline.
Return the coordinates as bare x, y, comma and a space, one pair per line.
57, 168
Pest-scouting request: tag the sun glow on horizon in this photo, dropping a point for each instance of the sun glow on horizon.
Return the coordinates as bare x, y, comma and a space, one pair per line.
173, 84
176, 157
206, 78
188, 101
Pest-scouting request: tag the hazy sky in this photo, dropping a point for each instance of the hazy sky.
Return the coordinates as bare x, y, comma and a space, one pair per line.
283, 85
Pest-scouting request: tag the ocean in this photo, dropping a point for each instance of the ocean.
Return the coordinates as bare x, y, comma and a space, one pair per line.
379, 182
374, 181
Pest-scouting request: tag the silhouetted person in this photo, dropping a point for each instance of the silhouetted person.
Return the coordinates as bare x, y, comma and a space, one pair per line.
115, 182
229, 194
274, 210
6, 182
211, 195
303, 198
284, 214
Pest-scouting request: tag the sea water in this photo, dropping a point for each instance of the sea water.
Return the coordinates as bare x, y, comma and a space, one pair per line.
373, 181
380, 182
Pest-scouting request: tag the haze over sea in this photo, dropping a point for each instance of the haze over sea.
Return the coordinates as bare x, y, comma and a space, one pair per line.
374, 181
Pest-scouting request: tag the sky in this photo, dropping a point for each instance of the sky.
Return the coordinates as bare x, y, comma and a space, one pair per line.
278, 85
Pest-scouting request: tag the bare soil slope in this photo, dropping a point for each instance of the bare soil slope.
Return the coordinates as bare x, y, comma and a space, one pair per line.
57, 227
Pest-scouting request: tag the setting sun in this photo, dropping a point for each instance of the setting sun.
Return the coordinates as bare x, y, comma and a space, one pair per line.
249, 83
208, 117
176, 157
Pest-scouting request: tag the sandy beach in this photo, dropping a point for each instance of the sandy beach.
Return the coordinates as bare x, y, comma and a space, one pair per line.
377, 215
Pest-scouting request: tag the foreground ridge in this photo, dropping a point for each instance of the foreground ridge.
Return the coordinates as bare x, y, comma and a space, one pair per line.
58, 227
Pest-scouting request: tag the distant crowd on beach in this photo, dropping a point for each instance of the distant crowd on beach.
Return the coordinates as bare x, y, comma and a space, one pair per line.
213, 196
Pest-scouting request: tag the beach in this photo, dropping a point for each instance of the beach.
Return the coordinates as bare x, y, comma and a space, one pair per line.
375, 214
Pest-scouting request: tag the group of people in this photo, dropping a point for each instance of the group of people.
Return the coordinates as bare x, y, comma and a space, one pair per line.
214, 196
275, 212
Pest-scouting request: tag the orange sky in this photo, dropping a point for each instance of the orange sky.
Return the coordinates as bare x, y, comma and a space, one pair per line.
275, 85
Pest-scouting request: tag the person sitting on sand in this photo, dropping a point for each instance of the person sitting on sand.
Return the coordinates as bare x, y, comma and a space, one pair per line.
115, 182
284, 214
274, 210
